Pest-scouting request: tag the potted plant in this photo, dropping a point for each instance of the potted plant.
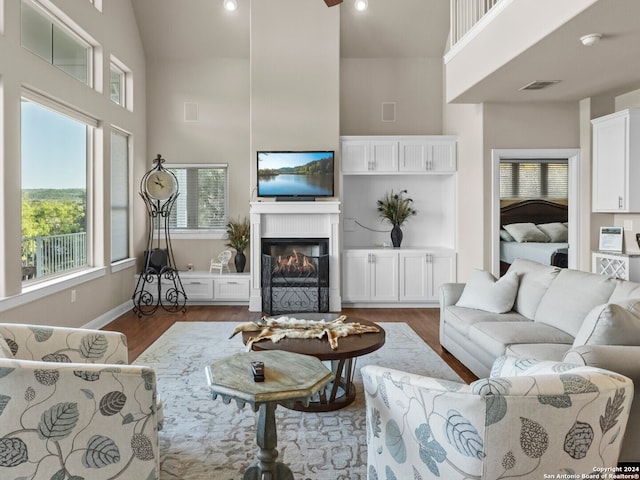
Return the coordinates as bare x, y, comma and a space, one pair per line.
396, 208
238, 236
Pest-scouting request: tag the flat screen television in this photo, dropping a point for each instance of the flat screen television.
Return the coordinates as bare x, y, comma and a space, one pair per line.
295, 175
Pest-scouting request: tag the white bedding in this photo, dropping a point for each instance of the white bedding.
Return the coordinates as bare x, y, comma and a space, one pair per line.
538, 252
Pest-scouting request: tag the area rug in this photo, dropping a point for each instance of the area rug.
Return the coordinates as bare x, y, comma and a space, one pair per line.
206, 439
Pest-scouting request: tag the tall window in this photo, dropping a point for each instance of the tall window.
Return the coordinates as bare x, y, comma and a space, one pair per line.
55, 154
521, 179
202, 203
119, 195
55, 43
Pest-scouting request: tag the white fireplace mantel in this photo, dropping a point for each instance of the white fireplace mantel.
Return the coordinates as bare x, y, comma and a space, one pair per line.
293, 219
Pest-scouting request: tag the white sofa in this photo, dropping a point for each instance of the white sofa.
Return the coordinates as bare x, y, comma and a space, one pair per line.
529, 420
558, 314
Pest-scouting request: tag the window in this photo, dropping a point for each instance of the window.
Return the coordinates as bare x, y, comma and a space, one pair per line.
119, 195
534, 179
55, 43
116, 85
55, 146
202, 203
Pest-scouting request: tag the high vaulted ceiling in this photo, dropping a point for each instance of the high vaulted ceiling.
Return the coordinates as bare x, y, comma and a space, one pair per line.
183, 29
195, 29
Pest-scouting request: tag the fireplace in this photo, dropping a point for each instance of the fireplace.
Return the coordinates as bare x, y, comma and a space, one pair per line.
295, 275
312, 230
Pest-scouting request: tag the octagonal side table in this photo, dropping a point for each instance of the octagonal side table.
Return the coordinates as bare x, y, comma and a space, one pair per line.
289, 378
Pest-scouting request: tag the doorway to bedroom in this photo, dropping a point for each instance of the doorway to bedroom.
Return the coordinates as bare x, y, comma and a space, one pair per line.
535, 195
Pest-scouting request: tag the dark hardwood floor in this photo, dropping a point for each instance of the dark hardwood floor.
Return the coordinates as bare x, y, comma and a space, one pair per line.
142, 332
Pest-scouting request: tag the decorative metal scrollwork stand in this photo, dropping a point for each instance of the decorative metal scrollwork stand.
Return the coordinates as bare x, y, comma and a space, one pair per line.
159, 284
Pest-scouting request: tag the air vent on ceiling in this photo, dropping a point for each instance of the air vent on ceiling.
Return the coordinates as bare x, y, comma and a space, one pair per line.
539, 84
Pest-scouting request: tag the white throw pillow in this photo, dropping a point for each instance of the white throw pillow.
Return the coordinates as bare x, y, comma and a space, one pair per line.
611, 324
484, 292
556, 232
526, 232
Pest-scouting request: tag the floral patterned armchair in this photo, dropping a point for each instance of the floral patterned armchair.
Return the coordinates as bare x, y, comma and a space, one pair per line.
528, 419
71, 408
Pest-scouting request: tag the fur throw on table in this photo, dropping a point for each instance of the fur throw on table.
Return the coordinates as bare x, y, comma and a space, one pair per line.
276, 329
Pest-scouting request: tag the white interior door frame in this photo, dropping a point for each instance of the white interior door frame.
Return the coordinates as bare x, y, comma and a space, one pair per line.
573, 158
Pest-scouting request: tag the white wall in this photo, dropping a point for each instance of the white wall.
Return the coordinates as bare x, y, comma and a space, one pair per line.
295, 65
415, 84
482, 128
20, 68
220, 88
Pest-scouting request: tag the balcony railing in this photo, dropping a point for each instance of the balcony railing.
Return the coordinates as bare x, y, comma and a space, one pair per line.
465, 14
49, 255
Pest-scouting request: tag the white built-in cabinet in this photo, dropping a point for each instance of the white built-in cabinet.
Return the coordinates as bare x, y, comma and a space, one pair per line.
616, 162
372, 271
214, 288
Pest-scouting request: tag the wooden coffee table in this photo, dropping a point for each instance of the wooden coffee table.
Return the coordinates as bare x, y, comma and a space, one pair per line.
341, 391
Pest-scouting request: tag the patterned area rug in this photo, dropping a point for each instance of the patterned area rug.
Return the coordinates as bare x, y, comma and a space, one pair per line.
206, 439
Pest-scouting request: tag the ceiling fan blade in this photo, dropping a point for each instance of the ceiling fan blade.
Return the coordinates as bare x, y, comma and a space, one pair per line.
331, 3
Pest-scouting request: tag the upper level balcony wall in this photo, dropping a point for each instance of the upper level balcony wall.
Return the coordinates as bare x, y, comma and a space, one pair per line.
506, 31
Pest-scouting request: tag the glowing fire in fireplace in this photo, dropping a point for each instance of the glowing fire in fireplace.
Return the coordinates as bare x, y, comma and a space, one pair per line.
294, 264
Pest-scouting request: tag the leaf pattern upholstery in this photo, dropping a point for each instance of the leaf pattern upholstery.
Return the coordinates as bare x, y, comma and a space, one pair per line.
528, 419
71, 407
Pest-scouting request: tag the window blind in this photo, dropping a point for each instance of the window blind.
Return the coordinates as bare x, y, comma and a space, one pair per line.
534, 179
202, 203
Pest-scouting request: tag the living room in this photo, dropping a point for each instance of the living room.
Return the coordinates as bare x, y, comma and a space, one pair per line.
232, 78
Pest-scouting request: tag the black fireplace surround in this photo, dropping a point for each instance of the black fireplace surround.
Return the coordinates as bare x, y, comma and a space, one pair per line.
295, 275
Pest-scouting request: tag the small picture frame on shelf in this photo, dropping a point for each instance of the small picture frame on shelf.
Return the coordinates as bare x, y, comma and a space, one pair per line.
611, 239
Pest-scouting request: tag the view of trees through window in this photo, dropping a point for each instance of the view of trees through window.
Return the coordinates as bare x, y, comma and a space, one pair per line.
54, 192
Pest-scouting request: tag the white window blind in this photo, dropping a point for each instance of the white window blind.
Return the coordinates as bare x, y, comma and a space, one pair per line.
202, 203
119, 195
534, 179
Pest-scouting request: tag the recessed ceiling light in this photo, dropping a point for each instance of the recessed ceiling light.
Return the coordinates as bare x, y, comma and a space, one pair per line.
591, 39
230, 5
361, 5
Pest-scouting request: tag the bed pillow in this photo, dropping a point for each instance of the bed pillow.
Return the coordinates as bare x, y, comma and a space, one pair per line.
526, 232
556, 232
505, 236
611, 324
484, 292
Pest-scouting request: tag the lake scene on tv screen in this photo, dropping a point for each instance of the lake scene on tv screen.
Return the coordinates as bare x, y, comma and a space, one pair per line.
308, 174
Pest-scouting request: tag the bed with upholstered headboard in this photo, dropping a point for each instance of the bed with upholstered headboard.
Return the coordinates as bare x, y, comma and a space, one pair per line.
536, 230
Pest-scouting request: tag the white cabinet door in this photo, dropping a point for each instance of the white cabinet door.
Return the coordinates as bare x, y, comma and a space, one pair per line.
197, 289
609, 158
422, 273
354, 156
235, 289
384, 156
427, 155
442, 269
413, 276
384, 276
616, 162
356, 277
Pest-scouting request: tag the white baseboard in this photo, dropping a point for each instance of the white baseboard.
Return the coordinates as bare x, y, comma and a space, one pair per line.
109, 316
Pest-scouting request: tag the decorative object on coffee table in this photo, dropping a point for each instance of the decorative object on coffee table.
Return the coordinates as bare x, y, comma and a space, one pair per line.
396, 209
238, 234
341, 391
288, 378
